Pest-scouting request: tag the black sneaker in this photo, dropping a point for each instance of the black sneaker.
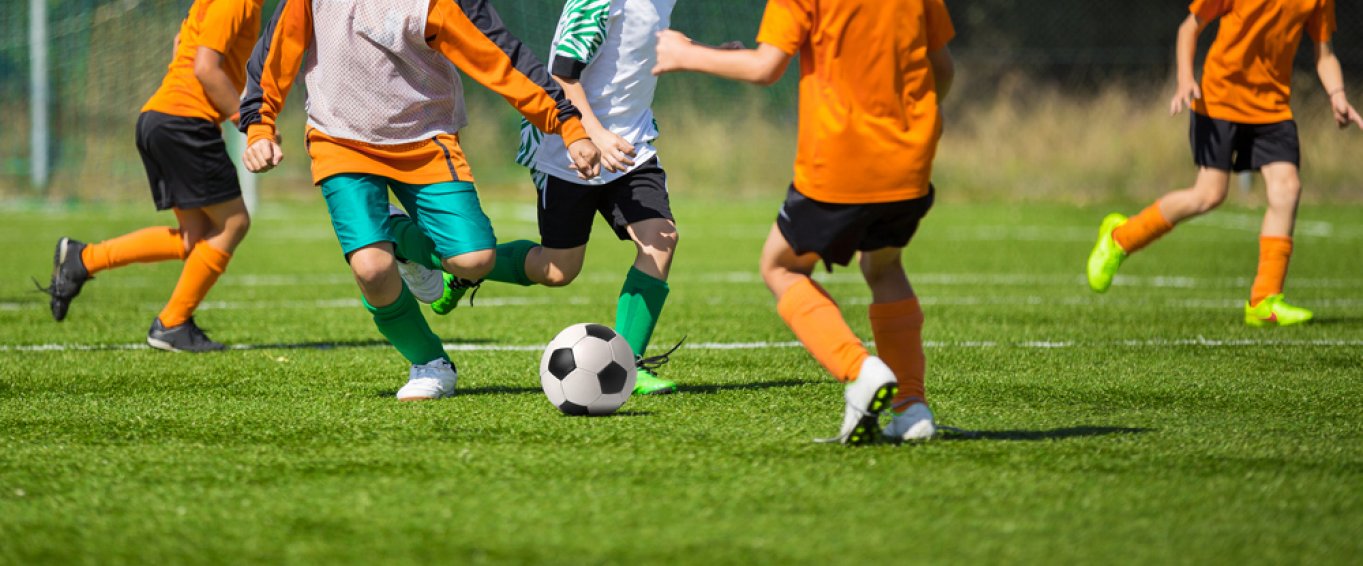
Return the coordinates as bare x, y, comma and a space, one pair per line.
68, 276
183, 338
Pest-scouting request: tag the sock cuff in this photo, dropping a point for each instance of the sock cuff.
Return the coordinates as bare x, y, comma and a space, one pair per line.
398, 306
1284, 241
907, 308
800, 297
1155, 216
638, 279
514, 253
212, 257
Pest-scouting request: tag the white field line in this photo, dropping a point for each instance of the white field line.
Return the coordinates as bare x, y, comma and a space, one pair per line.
1201, 303
1199, 342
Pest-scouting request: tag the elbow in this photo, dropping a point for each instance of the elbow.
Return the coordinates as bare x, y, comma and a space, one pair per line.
205, 71
766, 76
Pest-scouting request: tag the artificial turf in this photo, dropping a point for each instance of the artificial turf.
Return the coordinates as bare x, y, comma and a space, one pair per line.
1147, 425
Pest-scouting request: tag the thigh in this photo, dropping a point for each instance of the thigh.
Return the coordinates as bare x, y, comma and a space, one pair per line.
831, 231
450, 214
191, 161
358, 205
565, 211
895, 223
1213, 142
1275, 143
636, 197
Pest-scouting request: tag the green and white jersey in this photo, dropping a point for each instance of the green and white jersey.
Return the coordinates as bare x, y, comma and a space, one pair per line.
610, 46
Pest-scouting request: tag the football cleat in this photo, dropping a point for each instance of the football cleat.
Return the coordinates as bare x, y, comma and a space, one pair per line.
68, 276
431, 380
1273, 311
915, 423
1107, 256
452, 291
866, 397
647, 382
186, 337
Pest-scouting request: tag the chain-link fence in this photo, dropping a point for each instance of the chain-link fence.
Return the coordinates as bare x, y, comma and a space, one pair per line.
107, 57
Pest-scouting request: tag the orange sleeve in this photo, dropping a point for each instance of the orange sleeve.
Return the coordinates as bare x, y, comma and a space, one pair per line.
274, 66
470, 34
786, 24
940, 29
1208, 10
1321, 26
221, 22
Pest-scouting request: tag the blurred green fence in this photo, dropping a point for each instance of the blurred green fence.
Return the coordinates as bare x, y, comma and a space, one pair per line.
107, 57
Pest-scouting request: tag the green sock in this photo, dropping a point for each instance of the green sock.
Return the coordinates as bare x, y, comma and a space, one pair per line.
414, 245
404, 327
641, 303
510, 267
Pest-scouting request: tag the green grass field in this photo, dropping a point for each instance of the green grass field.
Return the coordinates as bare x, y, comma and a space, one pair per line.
1147, 425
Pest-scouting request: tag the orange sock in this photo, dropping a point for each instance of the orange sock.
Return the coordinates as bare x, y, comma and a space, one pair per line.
147, 245
898, 329
819, 325
202, 268
1142, 229
1274, 253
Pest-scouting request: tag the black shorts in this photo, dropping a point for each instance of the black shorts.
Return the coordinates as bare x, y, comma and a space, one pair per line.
186, 161
1232, 146
836, 232
566, 208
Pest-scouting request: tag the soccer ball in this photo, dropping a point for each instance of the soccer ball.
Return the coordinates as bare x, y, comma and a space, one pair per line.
588, 369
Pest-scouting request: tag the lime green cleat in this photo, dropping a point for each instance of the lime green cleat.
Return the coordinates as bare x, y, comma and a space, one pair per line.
1273, 311
649, 384
455, 289
1107, 256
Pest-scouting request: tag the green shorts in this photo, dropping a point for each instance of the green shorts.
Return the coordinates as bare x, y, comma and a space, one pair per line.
449, 213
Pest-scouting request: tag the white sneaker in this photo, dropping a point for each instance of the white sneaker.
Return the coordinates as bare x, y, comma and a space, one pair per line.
865, 398
431, 380
426, 284
915, 423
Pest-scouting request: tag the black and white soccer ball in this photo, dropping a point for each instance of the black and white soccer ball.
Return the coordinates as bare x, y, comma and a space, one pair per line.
588, 369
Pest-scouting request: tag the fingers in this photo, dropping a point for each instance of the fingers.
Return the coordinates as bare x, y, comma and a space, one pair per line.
262, 156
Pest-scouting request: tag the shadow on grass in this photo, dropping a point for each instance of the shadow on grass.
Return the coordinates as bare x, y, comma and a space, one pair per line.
953, 433
753, 386
1337, 321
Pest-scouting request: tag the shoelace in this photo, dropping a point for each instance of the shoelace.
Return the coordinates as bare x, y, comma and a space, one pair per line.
461, 283
654, 362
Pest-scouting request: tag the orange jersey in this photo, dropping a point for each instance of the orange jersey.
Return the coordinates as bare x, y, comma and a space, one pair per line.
869, 120
1247, 77
229, 27
467, 32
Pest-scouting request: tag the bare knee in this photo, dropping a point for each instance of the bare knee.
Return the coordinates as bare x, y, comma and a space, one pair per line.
1208, 197
471, 265
560, 276
373, 267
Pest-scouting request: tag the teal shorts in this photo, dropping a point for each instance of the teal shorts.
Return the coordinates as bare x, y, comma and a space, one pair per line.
449, 213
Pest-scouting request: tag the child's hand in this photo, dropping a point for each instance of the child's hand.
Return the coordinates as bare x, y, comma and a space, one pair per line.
1184, 96
262, 156
672, 48
616, 153
1344, 112
586, 158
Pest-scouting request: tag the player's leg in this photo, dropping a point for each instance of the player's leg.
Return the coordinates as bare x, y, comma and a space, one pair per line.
74, 262
1266, 306
807, 231
565, 211
638, 208
1215, 145
424, 275
358, 205
211, 235
450, 215
895, 314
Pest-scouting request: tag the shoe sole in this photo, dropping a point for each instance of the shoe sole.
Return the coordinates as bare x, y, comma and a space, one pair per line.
1104, 233
167, 347
58, 258
868, 430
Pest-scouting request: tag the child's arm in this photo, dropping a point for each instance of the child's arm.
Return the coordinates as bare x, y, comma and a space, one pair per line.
270, 74
616, 153
762, 66
225, 21
471, 35
1184, 49
1332, 78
